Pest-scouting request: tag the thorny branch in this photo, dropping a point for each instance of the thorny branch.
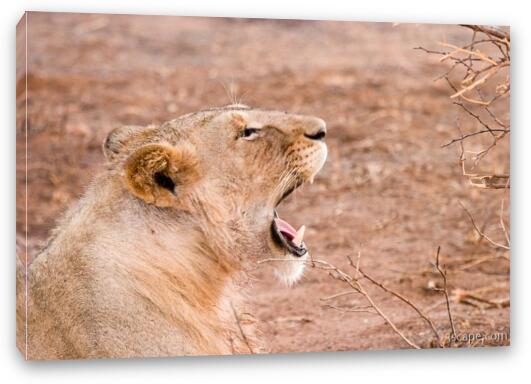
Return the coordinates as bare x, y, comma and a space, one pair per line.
481, 92
479, 66
354, 281
357, 287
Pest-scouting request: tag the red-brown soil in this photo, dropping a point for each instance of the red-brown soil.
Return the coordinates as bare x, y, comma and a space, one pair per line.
388, 190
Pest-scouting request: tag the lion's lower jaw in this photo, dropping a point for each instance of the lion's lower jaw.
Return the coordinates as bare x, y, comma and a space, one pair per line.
291, 270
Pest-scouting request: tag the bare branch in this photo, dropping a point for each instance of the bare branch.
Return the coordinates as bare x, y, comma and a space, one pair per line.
480, 81
340, 294
470, 135
490, 181
408, 302
455, 48
354, 284
482, 260
487, 127
480, 232
445, 291
364, 309
502, 222
503, 36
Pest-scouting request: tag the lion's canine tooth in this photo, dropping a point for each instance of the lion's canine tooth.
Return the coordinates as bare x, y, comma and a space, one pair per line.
297, 240
311, 179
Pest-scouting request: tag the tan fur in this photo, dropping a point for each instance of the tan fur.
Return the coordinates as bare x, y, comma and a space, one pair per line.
153, 259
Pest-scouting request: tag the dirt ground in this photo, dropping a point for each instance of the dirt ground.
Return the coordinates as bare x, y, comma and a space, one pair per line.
388, 190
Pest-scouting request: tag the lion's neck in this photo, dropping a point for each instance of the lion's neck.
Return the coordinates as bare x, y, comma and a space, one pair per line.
181, 269
185, 276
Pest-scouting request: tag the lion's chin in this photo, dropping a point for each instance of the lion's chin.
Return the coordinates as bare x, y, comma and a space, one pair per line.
289, 270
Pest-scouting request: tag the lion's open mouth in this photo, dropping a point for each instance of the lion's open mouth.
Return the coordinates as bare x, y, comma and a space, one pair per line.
287, 237
283, 232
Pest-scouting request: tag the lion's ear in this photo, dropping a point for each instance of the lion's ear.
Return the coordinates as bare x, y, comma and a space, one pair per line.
160, 174
118, 140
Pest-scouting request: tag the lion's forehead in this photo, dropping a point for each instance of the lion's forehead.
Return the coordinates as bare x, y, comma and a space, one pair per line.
233, 115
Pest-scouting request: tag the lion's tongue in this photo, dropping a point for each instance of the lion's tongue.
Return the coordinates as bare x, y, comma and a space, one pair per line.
285, 228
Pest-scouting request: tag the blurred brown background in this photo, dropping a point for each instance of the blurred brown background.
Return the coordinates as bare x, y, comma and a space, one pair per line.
387, 190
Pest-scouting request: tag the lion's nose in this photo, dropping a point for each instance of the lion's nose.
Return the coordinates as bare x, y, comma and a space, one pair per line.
316, 130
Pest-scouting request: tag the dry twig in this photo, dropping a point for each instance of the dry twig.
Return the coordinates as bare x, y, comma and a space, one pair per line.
474, 299
408, 302
356, 287
479, 68
480, 233
444, 289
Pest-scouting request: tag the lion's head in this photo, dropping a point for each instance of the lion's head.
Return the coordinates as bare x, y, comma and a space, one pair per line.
224, 171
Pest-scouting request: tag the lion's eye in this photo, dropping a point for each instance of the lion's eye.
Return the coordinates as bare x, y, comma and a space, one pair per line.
249, 133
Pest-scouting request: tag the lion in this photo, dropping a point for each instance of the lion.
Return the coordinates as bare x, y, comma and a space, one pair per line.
154, 258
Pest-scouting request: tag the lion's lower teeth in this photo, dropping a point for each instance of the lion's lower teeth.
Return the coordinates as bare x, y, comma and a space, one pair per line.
297, 240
